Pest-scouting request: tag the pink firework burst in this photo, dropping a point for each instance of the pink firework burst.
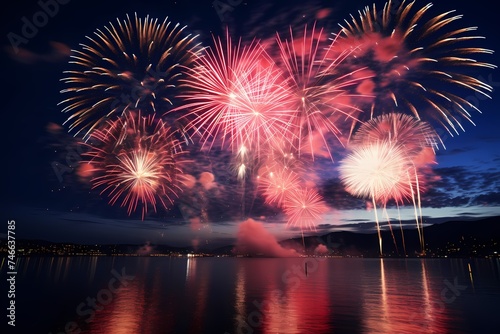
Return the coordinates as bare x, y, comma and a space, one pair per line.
263, 111
304, 208
277, 184
319, 94
235, 93
135, 160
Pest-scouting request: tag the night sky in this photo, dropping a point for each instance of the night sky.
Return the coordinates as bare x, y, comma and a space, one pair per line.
59, 207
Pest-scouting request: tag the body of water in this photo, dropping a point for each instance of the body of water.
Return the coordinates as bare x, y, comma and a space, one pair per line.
256, 295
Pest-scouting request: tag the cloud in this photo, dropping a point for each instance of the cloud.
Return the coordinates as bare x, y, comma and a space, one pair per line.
337, 197
57, 52
462, 186
254, 239
491, 198
458, 150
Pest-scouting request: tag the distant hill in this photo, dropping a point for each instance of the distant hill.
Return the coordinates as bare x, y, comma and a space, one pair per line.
477, 238
474, 238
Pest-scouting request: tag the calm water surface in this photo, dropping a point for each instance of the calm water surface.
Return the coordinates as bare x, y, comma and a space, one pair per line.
256, 295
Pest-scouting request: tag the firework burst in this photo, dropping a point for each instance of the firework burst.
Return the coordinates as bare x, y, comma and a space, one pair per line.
131, 64
418, 141
421, 63
235, 94
319, 94
279, 173
136, 160
277, 185
376, 170
379, 171
304, 208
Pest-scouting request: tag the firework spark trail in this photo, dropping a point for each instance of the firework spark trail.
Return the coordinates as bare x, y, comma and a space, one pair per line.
401, 228
132, 64
242, 170
136, 159
413, 193
419, 203
390, 227
377, 224
420, 60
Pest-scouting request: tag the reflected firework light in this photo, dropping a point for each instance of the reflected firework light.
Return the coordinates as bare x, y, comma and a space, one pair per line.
131, 64
421, 62
137, 161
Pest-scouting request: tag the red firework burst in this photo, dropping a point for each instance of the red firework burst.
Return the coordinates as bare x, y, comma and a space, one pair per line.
135, 160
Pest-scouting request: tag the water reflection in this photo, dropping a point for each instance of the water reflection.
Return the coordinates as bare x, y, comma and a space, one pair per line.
229, 295
197, 286
282, 297
406, 301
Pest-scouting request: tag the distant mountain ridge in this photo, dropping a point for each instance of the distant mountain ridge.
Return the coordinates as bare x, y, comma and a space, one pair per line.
452, 238
472, 238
